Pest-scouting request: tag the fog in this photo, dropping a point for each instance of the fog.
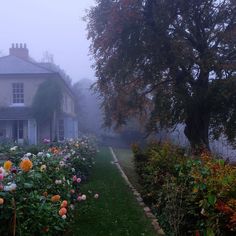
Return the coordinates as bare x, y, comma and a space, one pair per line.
53, 26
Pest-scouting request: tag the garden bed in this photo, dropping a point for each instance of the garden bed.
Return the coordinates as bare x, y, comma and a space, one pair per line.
40, 190
189, 196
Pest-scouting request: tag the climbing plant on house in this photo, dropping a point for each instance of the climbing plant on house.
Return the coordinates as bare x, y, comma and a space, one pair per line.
47, 100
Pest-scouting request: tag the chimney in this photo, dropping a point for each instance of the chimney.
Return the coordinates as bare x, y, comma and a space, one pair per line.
20, 51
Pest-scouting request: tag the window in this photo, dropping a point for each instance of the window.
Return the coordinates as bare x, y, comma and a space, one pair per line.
18, 130
61, 131
18, 93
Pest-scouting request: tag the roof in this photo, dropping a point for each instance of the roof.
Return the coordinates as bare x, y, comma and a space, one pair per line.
15, 65
15, 113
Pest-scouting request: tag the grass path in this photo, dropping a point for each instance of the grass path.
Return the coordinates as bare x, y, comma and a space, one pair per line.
126, 161
116, 212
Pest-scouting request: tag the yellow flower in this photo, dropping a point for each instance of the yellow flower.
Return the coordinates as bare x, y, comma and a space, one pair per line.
43, 168
7, 165
26, 165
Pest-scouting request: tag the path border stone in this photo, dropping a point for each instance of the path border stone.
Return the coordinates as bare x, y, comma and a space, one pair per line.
138, 197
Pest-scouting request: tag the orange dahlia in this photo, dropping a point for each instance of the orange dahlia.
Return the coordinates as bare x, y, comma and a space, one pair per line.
7, 165
55, 198
26, 165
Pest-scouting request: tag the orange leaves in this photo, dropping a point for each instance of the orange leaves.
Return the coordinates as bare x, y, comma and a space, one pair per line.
224, 208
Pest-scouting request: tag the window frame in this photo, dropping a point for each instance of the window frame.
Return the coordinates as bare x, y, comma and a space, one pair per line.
18, 96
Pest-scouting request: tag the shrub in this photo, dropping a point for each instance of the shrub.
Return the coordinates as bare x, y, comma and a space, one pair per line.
188, 195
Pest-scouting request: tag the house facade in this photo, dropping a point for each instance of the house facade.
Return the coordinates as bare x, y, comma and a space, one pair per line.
20, 78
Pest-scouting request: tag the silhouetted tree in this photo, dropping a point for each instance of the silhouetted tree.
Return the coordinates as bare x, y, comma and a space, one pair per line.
168, 61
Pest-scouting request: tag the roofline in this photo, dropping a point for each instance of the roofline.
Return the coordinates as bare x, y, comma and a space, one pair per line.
28, 61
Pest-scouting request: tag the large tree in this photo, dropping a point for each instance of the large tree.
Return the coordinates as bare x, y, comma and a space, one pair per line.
169, 62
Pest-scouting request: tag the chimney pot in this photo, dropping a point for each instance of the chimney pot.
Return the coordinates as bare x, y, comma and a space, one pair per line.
20, 51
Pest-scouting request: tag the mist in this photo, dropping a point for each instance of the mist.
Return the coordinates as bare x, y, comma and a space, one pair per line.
51, 26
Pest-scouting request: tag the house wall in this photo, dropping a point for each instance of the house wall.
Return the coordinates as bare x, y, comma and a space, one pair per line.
30, 87
31, 84
68, 104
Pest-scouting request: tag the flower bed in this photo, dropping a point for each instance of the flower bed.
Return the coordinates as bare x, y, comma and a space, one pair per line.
190, 196
39, 192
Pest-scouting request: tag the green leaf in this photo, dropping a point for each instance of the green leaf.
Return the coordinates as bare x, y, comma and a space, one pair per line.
28, 185
210, 232
221, 162
38, 175
211, 199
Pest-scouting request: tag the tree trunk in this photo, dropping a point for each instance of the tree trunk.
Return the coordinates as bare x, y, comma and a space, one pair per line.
198, 115
197, 130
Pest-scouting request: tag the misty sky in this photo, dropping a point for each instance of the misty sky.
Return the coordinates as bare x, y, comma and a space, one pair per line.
55, 26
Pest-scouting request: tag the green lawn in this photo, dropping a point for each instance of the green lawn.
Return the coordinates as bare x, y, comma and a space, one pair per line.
126, 161
116, 212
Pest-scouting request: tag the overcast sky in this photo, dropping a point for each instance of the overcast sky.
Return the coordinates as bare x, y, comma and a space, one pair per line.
55, 26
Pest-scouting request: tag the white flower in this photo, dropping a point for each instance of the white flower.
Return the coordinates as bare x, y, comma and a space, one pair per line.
58, 181
61, 163
3, 171
73, 169
13, 148
83, 197
48, 155
40, 154
63, 217
72, 207
28, 154
10, 187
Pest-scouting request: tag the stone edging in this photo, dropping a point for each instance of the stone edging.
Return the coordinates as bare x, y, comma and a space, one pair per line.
137, 195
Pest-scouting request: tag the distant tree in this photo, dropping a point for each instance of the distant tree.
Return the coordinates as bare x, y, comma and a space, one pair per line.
89, 114
168, 61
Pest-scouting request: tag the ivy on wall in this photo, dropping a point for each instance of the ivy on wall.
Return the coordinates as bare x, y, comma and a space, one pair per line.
47, 100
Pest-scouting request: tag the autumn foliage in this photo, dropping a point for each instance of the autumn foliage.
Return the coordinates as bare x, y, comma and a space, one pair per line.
189, 195
167, 62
